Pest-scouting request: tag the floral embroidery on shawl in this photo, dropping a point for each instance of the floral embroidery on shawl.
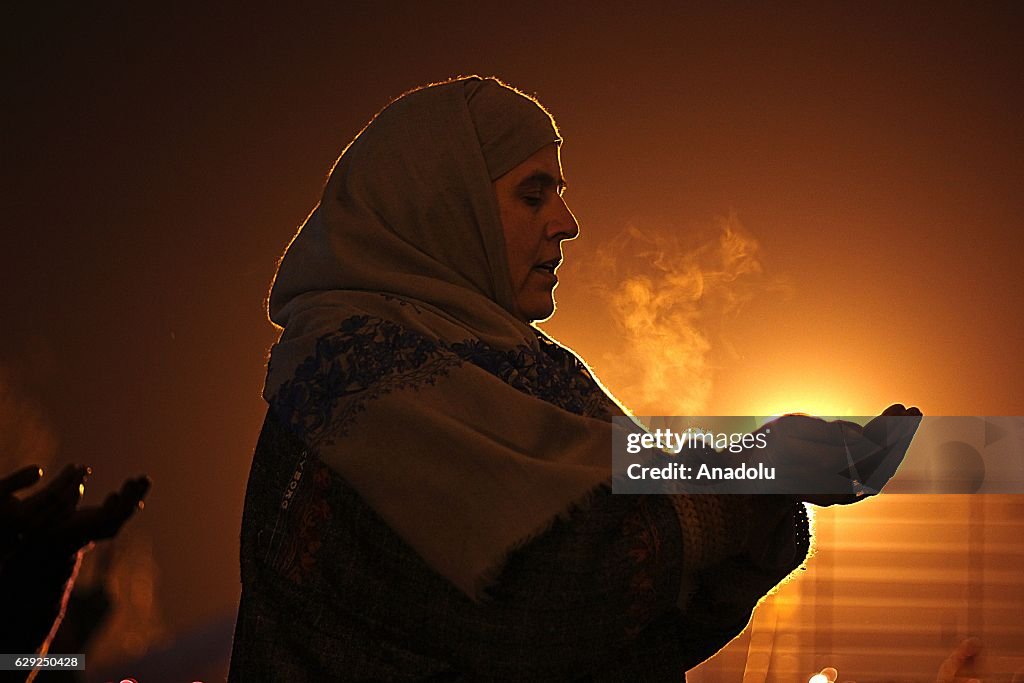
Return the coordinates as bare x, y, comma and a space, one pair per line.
549, 373
368, 357
364, 359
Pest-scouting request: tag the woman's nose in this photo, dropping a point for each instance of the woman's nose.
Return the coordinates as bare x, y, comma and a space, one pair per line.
565, 226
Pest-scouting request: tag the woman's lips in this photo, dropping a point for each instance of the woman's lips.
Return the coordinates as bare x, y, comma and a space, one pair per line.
546, 272
547, 269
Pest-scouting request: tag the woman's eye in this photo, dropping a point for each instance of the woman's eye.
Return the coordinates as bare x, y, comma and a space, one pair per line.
533, 199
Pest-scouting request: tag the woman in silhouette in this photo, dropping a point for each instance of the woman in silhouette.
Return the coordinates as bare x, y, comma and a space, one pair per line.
429, 498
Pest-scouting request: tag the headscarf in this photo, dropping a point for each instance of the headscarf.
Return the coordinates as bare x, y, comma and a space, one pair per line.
401, 365
409, 209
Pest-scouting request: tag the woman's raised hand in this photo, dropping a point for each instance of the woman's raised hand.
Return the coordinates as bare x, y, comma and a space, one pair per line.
41, 538
839, 462
51, 514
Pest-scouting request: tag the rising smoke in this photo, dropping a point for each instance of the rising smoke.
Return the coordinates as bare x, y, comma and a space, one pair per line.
668, 294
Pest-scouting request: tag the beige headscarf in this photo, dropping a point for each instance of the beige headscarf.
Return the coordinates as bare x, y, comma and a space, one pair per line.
394, 288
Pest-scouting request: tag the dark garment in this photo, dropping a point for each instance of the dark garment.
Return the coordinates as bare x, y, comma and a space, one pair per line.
330, 593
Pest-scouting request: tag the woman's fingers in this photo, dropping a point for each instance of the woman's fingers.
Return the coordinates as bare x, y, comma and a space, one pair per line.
103, 522
56, 501
22, 479
894, 433
894, 416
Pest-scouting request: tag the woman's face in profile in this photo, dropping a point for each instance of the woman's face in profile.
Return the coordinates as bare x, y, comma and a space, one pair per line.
535, 221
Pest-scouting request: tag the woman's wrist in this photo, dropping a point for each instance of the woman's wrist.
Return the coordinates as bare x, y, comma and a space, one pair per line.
771, 532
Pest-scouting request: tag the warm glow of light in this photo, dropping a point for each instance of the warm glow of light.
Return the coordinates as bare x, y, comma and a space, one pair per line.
818, 678
831, 399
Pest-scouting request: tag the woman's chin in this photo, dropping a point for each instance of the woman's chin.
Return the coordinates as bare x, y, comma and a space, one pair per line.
539, 311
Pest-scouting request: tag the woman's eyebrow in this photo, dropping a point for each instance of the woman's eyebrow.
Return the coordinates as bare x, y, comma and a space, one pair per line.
543, 179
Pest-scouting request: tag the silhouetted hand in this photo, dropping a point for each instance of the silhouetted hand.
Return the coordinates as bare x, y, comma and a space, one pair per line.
824, 460
41, 538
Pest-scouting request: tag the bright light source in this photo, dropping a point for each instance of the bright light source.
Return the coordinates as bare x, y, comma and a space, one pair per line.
818, 678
